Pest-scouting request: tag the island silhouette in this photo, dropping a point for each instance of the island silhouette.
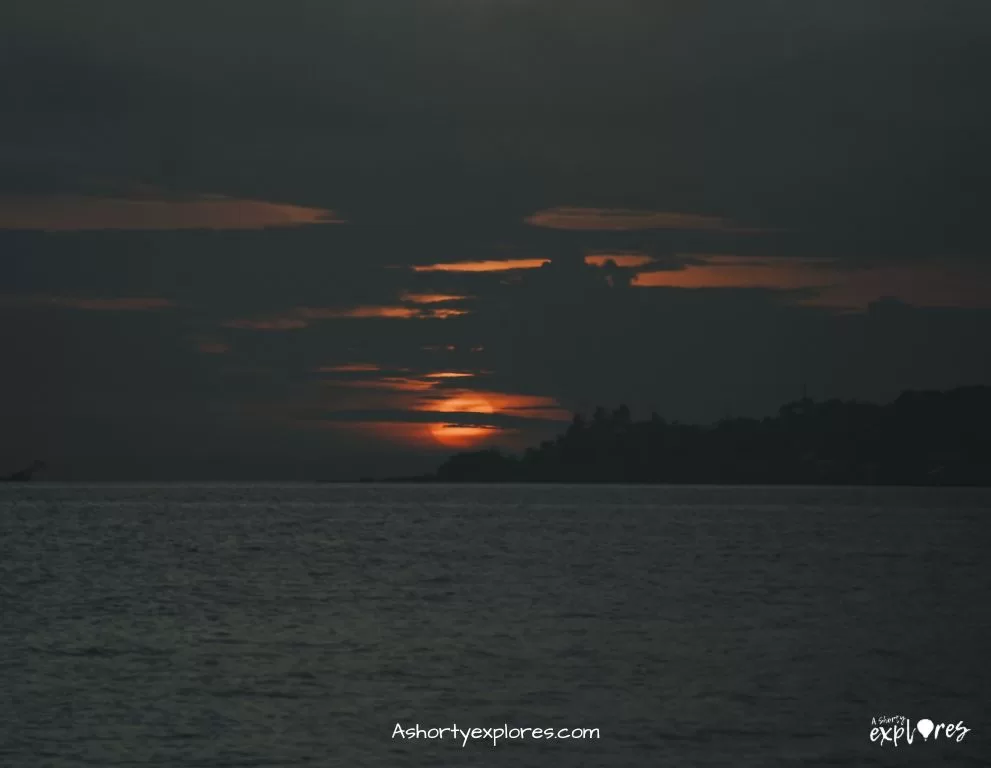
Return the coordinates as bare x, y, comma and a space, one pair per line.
921, 438
23, 475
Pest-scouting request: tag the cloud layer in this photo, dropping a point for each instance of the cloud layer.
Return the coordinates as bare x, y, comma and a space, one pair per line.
62, 213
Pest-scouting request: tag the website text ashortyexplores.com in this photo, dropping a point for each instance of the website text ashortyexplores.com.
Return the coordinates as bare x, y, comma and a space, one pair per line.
502, 732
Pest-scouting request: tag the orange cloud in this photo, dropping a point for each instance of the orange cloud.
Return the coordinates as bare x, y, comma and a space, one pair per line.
74, 213
424, 436
444, 314
490, 265
622, 260
462, 437
333, 313
390, 383
389, 312
834, 286
466, 401
431, 417
462, 402
924, 285
423, 383
431, 298
302, 317
350, 368
625, 219
741, 272
424, 395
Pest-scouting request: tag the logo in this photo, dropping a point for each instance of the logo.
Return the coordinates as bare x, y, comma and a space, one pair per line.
895, 730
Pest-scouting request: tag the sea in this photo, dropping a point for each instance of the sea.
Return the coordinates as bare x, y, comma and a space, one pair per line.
432, 625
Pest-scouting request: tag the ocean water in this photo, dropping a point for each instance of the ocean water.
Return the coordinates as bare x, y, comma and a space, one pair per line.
232, 625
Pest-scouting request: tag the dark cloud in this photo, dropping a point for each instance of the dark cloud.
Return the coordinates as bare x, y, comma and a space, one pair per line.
627, 220
65, 213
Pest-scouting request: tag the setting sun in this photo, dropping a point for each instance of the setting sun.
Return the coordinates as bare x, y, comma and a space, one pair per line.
462, 403
460, 436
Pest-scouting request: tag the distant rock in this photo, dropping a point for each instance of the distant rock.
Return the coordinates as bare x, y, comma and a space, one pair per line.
25, 474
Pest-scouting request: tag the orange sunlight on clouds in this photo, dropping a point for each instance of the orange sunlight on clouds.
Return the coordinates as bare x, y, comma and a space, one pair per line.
463, 402
466, 401
924, 285
949, 284
390, 383
462, 437
425, 436
490, 265
431, 298
68, 213
302, 317
625, 219
740, 272
475, 412
387, 312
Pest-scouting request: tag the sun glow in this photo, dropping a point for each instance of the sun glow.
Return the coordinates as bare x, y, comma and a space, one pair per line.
458, 419
431, 298
459, 435
461, 403
486, 265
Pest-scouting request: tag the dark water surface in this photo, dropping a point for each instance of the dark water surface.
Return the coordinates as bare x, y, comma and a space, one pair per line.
297, 625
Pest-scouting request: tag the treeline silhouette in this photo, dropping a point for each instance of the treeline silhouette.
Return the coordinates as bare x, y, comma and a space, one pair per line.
922, 438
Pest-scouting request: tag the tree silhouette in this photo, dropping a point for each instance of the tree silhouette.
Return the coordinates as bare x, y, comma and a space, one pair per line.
922, 438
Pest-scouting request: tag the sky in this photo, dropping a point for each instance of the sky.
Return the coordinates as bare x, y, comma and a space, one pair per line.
306, 240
